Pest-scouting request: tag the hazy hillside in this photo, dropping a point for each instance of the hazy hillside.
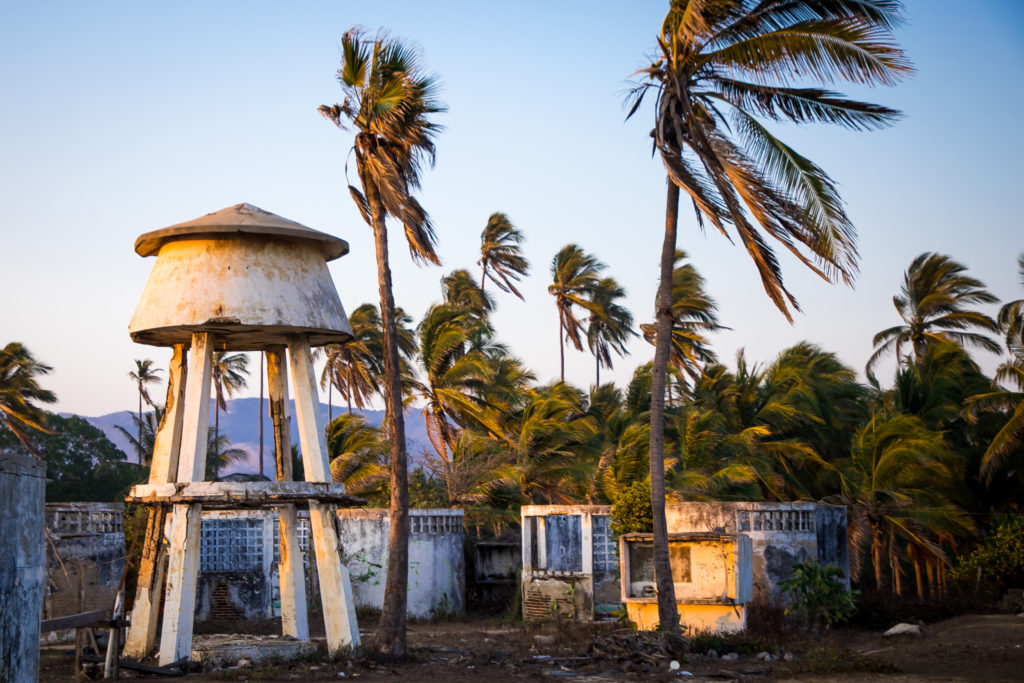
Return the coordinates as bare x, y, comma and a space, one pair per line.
240, 424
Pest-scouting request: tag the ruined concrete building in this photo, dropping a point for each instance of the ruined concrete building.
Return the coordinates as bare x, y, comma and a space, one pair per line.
571, 559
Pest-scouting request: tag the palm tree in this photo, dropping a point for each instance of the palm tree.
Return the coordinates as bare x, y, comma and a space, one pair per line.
356, 368
894, 484
694, 315
228, 375
935, 303
20, 391
1009, 441
574, 275
501, 257
610, 324
460, 290
389, 102
358, 456
721, 68
143, 374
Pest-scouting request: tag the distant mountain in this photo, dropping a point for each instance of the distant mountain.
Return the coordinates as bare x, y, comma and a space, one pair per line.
240, 424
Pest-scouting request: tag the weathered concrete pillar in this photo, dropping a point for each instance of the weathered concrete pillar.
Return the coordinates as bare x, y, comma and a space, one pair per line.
186, 520
164, 470
22, 565
290, 574
335, 584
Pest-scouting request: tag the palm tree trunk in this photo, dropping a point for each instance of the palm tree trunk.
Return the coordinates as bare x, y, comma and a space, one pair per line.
668, 614
876, 555
391, 632
483, 278
348, 390
597, 374
918, 577
330, 401
140, 425
561, 349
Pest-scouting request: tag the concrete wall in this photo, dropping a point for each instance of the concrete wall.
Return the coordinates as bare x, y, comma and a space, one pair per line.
87, 542
239, 558
22, 573
436, 560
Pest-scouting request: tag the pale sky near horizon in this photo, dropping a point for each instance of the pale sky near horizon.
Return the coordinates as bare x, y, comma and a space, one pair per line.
124, 117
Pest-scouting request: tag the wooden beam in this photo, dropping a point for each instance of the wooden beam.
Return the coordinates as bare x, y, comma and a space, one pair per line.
96, 617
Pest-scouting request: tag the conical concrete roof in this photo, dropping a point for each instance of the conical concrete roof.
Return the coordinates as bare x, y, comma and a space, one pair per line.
241, 219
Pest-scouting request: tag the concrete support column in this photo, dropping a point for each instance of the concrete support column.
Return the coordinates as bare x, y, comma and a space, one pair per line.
186, 521
290, 573
166, 449
22, 565
335, 584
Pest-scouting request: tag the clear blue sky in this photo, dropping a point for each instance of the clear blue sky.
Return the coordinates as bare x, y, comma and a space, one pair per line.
123, 117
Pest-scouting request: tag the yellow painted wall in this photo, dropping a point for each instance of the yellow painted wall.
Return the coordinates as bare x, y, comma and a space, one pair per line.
693, 618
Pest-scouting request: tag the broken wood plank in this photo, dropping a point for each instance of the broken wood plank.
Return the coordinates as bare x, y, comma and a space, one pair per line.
95, 617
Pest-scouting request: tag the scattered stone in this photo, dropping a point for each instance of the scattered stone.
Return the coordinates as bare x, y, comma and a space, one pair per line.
788, 656
244, 663
765, 656
674, 665
543, 641
903, 630
713, 654
730, 657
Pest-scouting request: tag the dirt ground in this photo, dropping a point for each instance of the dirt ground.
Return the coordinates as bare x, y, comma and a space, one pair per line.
968, 648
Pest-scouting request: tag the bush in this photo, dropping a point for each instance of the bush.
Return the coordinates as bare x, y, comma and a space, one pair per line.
998, 561
631, 511
817, 595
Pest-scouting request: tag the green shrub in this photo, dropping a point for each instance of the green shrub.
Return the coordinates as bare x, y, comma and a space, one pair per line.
818, 596
631, 511
999, 560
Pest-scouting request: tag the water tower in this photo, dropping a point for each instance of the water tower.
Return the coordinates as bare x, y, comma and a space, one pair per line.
239, 279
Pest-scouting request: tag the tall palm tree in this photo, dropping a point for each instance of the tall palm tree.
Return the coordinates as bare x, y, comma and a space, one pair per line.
143, 374
501, 255
935, 303
389, 102
20, 391
228, 374
574, 275
609, 326
721, 68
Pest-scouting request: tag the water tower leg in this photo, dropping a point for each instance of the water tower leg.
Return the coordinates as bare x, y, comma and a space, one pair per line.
186, 523
335, 585
294, 621
164, 469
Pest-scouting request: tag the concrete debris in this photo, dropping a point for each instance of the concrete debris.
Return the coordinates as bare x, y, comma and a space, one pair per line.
903, 630
730, 657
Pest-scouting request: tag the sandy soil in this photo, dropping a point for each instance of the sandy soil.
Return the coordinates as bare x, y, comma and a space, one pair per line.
968, 648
